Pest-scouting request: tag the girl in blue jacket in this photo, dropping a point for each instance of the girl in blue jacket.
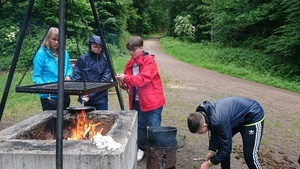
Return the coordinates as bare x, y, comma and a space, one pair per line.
224, 118
45, 69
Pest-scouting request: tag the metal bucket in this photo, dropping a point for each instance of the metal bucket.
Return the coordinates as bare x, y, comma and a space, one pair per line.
162, 136
161, 147
161, 158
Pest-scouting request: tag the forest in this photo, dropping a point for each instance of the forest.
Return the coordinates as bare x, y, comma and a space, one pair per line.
271, 27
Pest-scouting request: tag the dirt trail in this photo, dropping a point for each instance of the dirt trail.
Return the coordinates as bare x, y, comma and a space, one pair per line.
187, 86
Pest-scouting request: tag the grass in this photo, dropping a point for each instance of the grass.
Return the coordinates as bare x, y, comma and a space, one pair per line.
19, 102
119, 63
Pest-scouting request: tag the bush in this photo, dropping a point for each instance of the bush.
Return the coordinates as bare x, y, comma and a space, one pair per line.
183, 28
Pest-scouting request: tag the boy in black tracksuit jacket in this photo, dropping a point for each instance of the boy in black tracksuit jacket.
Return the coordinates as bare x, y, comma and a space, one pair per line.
224, 118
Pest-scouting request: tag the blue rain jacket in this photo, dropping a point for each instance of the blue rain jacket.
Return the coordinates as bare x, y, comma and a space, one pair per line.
45, 69
93, 67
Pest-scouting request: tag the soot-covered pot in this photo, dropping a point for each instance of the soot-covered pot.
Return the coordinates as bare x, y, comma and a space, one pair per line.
80, 108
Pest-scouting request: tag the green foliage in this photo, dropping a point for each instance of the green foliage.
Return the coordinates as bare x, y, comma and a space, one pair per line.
76, 48
80, 25
113, 16
46, 12
235, 22
183, 28
270, 26
11, 14
148, 16
29, 48
78, 20
7, 45
158, 14
200, 19
284, 45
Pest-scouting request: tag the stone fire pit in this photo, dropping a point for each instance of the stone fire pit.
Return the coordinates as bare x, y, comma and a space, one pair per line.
20, 149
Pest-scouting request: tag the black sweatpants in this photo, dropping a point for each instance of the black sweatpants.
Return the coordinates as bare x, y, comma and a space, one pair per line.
251, 136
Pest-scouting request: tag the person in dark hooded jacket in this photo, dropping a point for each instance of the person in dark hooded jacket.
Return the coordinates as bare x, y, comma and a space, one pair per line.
93, 66
224, 118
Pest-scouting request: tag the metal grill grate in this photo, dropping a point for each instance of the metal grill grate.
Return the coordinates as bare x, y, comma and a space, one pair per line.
70, 87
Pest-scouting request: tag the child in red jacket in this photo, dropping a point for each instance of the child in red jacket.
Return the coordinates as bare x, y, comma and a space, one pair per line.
146, 96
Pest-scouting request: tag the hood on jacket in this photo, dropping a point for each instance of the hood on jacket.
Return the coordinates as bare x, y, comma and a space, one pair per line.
206, 108
95, 39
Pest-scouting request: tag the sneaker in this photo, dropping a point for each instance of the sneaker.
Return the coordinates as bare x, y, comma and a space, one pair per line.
140, 155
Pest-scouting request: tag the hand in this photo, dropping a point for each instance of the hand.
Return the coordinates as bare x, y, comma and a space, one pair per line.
67, 78
120, 77
85, 98
209, 155
205, 165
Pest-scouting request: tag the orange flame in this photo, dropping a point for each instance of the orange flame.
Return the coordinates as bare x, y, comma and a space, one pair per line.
83, 129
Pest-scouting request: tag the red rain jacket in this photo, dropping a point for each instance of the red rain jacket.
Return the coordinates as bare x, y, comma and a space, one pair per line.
148, 83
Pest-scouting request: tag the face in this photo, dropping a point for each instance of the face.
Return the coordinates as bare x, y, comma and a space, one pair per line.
96, 48
134, 53
53, 42
204, 129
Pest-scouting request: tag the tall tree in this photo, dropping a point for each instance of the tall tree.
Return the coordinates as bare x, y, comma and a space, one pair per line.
284, 44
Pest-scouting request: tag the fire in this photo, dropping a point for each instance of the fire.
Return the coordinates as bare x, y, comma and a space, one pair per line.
82, 128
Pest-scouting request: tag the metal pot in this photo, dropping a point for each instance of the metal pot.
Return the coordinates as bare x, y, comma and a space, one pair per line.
162, 136
85, 108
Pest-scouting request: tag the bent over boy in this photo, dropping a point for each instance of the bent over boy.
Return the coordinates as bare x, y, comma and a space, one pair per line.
224, 118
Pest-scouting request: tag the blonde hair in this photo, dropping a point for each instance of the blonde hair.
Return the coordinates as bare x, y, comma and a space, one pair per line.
52, 31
